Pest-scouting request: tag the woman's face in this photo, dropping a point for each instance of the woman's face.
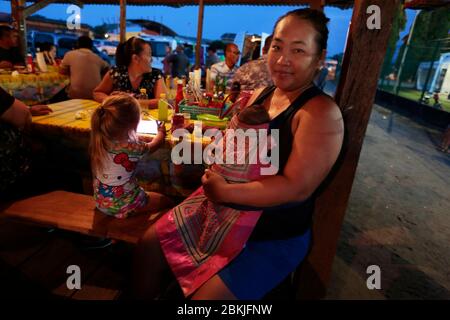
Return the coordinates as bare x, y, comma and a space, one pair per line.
52, 52
293, 58
144, 59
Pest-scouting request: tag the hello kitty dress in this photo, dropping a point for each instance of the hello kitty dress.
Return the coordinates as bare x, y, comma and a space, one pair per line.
116, 191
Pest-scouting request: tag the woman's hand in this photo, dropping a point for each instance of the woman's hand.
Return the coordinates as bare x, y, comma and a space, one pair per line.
215, 186
40, 110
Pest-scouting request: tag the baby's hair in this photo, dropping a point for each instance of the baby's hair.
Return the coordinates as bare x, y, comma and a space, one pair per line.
116, 119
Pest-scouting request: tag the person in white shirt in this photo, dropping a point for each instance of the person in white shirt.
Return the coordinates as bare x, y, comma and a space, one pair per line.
228, 67
85, 69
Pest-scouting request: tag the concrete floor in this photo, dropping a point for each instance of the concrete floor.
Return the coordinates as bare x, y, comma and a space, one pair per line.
398, 216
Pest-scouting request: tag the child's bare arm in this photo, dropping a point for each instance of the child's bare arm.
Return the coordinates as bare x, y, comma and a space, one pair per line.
158, 140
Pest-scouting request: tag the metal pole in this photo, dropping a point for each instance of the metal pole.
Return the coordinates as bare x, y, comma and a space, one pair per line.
424, 89
399, 74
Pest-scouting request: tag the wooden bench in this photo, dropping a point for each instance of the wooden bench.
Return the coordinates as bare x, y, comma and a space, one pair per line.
77, 212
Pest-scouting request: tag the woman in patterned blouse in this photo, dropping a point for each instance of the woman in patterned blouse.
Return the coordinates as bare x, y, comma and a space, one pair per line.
132, 73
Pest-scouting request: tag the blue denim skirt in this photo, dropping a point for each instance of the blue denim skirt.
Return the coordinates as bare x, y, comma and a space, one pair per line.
262, 265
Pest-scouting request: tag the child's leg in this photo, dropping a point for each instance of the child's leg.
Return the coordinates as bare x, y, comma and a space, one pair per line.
149, 266
156, 202
214, 289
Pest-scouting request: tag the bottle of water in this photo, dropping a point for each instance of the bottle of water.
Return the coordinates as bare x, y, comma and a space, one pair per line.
142, 94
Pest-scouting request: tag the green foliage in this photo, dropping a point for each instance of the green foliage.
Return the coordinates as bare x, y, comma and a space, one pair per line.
430, 26
100, 30
398, 25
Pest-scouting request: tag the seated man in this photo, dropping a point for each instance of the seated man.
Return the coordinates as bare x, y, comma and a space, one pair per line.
255, 74
227, 68
85, 69
9, 52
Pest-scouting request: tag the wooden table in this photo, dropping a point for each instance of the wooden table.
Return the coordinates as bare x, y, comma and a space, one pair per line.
34, 88
65, 133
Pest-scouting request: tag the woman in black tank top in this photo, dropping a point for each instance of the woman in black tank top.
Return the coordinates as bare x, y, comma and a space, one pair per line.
311, 133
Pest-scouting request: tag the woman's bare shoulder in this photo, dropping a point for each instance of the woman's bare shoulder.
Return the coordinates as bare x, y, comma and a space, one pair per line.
322, 106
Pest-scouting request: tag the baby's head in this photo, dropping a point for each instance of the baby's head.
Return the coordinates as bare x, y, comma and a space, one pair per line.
116, 118
252, 115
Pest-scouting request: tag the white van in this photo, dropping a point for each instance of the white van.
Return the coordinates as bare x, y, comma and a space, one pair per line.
159, 44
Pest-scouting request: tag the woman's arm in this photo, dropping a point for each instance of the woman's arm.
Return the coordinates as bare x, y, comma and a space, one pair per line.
105, 87
316, 146
18, 115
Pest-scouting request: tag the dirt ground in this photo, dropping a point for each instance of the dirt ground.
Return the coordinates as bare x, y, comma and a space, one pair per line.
398, 216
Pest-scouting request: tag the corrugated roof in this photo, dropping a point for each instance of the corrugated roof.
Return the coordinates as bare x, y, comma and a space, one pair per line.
424, 4
181, 3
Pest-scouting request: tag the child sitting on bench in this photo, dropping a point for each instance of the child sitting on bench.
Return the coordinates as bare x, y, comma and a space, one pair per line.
115, 151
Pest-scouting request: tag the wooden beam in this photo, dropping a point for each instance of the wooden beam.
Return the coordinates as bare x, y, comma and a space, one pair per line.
19, 13
198, 45
123, 20
355, 95
28, 11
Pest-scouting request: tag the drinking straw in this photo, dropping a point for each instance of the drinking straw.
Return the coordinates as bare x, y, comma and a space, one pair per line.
165, 87
230, 108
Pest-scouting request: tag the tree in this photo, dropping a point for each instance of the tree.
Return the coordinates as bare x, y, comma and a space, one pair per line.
100, 30
398, 25
430, 26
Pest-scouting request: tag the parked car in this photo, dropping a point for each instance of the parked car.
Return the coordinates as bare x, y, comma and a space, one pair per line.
106, 46
63, 42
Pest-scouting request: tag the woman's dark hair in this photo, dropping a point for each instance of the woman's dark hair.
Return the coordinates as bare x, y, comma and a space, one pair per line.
316, 18
125, 50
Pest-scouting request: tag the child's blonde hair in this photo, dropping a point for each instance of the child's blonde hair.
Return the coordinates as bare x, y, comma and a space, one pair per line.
116, 118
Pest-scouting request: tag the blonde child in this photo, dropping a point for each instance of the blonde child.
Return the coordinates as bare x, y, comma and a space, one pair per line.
115, 151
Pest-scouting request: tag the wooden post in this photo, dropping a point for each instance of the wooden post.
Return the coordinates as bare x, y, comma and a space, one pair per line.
123, 20
19, 13
317, 4
355, 95
199, 34
15, 13
17, 7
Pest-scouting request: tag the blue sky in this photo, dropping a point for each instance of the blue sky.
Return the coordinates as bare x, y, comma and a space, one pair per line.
217, 19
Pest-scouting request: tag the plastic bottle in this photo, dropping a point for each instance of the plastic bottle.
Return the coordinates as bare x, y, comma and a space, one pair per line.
179, 95
162, 107
143, 94
30, 63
